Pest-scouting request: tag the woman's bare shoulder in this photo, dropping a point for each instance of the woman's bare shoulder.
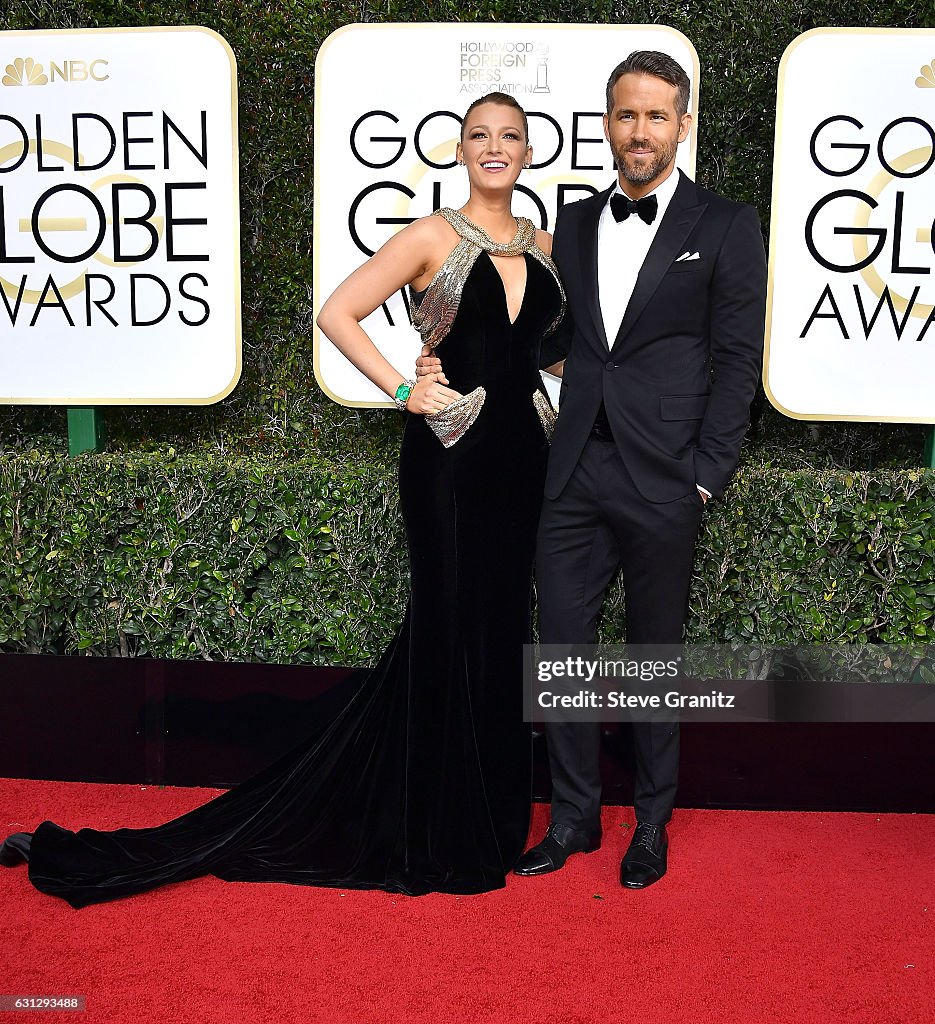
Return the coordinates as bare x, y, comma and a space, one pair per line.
434, 238
544, 241
424, 243
431, 230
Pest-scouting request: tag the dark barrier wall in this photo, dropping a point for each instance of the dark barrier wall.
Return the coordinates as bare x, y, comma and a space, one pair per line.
143, 720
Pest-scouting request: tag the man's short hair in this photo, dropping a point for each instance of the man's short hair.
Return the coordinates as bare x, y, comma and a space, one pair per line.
652, 62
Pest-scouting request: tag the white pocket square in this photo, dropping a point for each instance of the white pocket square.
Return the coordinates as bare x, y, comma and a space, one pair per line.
686, 256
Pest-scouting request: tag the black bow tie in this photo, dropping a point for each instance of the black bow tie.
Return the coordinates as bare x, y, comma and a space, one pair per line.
645, 208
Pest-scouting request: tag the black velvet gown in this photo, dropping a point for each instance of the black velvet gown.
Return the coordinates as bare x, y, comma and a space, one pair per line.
422, 782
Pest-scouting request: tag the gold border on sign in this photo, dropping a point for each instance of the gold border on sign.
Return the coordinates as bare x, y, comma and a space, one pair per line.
780, 87
430, 26
235, 222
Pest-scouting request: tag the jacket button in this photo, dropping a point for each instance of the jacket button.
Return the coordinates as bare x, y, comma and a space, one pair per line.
610, 365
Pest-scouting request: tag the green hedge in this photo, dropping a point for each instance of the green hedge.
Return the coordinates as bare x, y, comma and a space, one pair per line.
198, 558
303, 562
818, 557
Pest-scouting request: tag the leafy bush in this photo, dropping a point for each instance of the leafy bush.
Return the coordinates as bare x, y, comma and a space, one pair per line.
198, 558
192, 557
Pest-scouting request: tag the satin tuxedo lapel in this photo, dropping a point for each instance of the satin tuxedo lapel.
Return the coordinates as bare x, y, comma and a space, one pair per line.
677, 223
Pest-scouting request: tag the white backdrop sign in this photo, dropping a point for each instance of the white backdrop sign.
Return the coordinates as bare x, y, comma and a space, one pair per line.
388, 106
851, 323
119, 217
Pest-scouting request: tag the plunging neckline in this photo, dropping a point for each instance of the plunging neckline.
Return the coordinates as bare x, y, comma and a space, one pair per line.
433, 319
490, 250
506, 297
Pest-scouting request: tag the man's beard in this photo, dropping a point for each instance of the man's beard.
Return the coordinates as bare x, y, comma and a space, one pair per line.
642, 173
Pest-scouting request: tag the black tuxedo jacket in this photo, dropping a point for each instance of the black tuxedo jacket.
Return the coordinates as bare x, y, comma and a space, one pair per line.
678, 379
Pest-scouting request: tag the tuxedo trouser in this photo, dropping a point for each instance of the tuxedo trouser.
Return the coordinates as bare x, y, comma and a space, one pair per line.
601, 523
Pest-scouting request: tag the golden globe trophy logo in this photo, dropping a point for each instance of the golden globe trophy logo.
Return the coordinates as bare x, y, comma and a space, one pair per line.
119, 217
385, 156
851, 312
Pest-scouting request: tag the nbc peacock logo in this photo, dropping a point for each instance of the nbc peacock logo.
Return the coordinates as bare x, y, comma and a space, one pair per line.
25, 72
926, 79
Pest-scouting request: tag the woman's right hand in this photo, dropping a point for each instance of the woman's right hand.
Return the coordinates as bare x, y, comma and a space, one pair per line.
430, 395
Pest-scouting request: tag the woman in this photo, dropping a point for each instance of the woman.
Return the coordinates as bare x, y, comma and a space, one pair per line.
422, 782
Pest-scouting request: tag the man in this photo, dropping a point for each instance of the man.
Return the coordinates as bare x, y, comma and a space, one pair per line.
666, 286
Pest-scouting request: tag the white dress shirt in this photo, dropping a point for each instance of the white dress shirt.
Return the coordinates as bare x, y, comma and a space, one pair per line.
621, 249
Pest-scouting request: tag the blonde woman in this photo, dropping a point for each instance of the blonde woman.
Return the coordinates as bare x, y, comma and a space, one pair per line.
423, 782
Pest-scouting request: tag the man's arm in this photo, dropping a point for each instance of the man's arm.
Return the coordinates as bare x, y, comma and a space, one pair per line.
554, 348
737, 305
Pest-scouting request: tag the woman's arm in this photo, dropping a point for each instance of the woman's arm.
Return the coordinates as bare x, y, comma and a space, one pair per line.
408, 256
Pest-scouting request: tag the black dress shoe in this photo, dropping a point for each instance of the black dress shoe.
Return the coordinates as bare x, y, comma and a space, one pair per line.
645, 860
15, 849
560, 842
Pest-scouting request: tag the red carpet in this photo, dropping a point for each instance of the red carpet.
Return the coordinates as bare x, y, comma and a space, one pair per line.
763, 917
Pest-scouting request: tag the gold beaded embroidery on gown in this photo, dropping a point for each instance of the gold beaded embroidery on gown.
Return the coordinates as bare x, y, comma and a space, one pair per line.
438, 308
